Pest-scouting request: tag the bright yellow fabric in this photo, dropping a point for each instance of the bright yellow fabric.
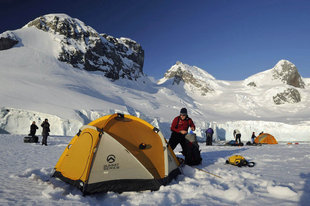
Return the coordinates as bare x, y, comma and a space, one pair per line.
130, 131
76, 160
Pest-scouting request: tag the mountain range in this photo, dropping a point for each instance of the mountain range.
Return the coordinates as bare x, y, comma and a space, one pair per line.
59, 68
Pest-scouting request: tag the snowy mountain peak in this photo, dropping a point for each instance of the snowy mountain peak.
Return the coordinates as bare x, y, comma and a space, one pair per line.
283, 81
192, 76
83, 47
64, 25
284, 72
287, 72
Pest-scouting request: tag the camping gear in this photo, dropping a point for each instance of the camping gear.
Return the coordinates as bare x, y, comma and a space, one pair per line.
265, 138
191, 137
249, 143
31, 139
292, 143
239, 161
192, 153
233, 143
117, 153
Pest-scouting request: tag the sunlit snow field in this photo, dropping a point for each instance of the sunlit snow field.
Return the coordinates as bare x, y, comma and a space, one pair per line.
281, 176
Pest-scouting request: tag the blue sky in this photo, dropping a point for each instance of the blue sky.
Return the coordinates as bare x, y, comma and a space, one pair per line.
230, 39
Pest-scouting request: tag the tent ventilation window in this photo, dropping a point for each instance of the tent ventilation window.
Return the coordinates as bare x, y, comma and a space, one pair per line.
121, 117
155, 129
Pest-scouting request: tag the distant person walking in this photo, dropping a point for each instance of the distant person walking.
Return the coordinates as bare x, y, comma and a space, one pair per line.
45, 131
33, 129
237, 136
209, 135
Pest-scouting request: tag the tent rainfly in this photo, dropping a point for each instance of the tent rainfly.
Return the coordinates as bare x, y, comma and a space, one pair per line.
265, 138
117, 153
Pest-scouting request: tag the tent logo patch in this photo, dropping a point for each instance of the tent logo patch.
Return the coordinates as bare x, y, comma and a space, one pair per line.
111, 166
111, 158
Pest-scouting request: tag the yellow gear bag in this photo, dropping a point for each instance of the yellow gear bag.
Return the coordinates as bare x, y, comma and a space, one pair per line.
239, 161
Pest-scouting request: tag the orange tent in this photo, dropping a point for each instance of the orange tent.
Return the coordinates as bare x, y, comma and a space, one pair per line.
265, 138
117, 153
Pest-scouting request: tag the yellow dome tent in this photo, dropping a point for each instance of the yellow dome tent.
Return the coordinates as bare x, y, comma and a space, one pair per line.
117, 153
265, 138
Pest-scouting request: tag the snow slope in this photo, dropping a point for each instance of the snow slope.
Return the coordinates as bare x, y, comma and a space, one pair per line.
34, 85
276, 179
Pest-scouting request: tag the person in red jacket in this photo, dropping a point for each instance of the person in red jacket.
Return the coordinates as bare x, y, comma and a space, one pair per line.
179, 129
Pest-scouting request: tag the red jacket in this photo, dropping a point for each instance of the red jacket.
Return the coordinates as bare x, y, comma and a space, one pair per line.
182, 124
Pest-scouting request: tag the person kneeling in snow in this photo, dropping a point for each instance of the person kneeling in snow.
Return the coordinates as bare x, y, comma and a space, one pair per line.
179, 128
33, 129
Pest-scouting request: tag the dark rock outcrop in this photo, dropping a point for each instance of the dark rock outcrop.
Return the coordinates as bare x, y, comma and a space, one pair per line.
290, 95
288, 74
7, 40
85, 48
251, 84
181, 73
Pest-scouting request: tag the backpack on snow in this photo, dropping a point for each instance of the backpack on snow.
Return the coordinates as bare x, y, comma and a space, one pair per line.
192, 153
31, 139
239, 161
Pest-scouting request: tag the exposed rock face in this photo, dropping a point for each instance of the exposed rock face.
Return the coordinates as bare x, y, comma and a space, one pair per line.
85, 48
288, 74
251, 84
7, 40
290, 95
183, 73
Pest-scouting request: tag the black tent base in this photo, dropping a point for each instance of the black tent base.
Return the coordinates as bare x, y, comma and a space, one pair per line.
120, 186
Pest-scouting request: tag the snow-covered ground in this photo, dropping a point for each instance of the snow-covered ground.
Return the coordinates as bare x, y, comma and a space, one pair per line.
34, 85
281, 176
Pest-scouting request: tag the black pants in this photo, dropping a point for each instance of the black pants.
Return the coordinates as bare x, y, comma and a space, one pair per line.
177, 138
238, 138
44, 140
209, 139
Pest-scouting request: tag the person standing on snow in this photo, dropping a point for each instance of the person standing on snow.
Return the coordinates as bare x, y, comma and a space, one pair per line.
209, 135
179, 129
33, 129
237, 136
45, 131
253, 137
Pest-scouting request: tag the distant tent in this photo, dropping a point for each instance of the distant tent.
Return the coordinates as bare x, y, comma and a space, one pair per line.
117, 153
265, 138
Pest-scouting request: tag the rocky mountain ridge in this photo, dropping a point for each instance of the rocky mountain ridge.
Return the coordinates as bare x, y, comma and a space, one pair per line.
84, 48
283, 81
199, 79
283, 78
